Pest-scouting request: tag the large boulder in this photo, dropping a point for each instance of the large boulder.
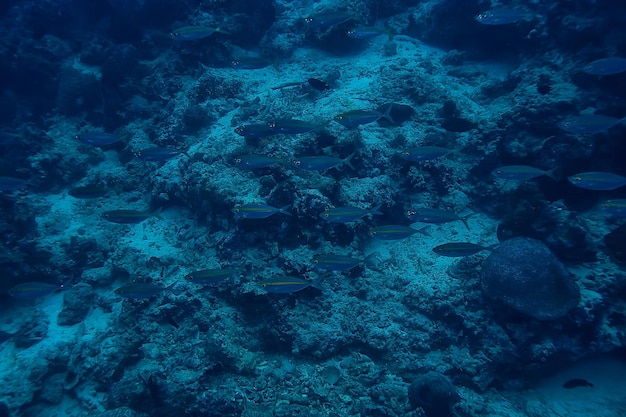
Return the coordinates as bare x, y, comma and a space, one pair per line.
523, 274
434, 394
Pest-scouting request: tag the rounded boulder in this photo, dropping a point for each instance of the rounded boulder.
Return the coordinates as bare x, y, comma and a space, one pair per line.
523, 274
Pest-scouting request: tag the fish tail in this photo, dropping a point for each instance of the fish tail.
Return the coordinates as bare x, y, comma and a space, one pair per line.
157, 213
347, 160
425, 231
387, 114
370, 261
285, 210
554, 173
376, 210
464, 220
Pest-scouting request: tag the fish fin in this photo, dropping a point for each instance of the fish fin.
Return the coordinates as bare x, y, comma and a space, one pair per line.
387, 114
555, 173
347, 160
285, 210
464, 220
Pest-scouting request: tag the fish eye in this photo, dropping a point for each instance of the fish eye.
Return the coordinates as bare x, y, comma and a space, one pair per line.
410, 213
296, 162
498, 172
237, 160
325, 214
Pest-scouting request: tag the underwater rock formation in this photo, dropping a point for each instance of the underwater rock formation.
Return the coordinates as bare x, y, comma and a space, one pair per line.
434, 393
523, 274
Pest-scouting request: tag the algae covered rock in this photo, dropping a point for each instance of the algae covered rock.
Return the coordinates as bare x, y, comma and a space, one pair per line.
523, 274
434, 394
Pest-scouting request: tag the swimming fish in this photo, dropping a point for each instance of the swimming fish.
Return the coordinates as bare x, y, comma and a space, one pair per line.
88, 191
459, 249
348, 214
365, 32
139, 290
435, 216
520, 172
606, 66
31, 290
354, 118
129, 216
590, 123
11, 184
251, 62
425, 153
285, 284
326, 20
577, 382
192, 33
615, 207
212, 276
320, 163
258, 211
292, 126
97, 138
256, 131
393, 232
501, 16
330, 262
257, 161
157, 154
599, 181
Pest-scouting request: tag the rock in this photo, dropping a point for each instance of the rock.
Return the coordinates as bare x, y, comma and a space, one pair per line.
523, 274
616, 243
434, 394
76, 304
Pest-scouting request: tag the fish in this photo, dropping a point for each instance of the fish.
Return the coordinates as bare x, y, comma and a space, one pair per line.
425, 153
212, 276
141, 290
365, 32
577, 382
11, 184
257, 161
32, 290
319, 85
435, 216
157, 154
355, 118
129, 216
255, 131
606, 66
348, 214
293, 126
459, 249
285, 284
393, 232
599, 181
326, 20
252, 62
330, 262
590, 123
501, 16
8, 257
258, 211
192, 33
616, 207
97, 138
521, 172
88, 191
320, 163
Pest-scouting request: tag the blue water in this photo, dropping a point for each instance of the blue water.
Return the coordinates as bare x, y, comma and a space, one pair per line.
146, 271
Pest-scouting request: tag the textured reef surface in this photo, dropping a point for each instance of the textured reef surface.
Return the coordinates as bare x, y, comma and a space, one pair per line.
312, 208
